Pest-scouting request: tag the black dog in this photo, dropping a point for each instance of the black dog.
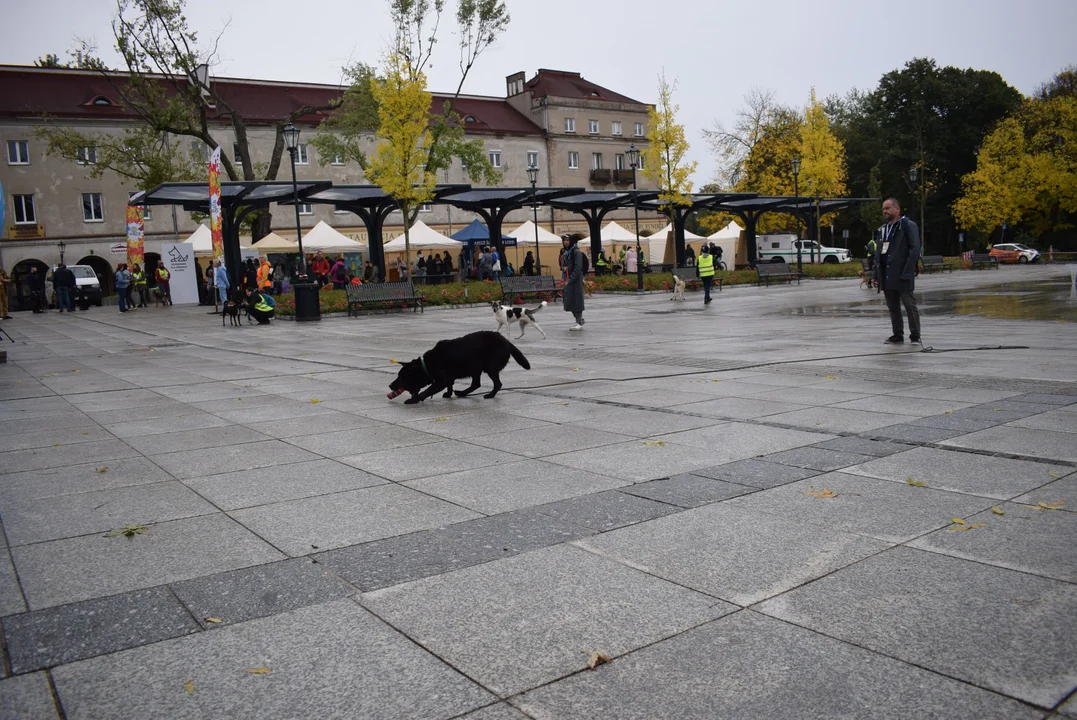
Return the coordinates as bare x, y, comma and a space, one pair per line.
468, 356
231, 312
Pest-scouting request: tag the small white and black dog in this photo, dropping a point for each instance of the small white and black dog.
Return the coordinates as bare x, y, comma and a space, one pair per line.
506, 315
678, 289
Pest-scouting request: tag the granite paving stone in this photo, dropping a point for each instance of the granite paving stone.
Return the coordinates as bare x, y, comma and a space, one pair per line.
328, 421
1064, 489
71, 419
805, 395
551, 439
880, 509
65, 455
400, 559
863, 446
653, 398
259, 591
919, 407
738, 441
738, 554
264, 486
955, 422
231, 458
977, 623
286, 413
27, 697
195, 440
483, 424
148, 413
739, 408
54, 482
501, 711
645, 423
119, 400
362, 440
815, 458
1057, 420
16, 410
1021, 441
995, 413
541, 609
912, 433
687, 490
53, 437
835, 419
52, 518
957, 394
606, 511
562, 411
512, 486
1057, 400
11, 601
166, 424
758, 667
73, 569
993, 477
638, 460
437, 458
1030, 540
756, 473
1020, 404
59, 635
304, 526
317, 669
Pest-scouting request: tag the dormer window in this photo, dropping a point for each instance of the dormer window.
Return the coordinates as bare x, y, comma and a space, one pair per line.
470, 118
102, 101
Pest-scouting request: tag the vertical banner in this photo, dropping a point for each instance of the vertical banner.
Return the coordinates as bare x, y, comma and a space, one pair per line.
136, 232
215, 203
179, 260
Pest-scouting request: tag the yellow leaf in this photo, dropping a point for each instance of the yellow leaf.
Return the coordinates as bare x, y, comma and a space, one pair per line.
575, 369
949, 412
1053, 505
596, 658
915, 483
102, 469
968, 527
315, 400
998, 409
997, 510
74, 371
440, 419
213, 620
189, 687
831, 377
1055, 474
716, 381
823, 494
654, 443
56, 444
393, 360
957, 521
85, 433
258, 671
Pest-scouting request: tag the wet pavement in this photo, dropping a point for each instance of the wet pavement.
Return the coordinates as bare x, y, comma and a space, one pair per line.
753, 510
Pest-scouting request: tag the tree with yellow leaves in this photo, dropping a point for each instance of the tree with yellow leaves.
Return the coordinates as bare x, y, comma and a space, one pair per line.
399, 162
664, 163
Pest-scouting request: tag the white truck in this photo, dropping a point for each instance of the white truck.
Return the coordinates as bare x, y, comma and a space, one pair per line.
776, 248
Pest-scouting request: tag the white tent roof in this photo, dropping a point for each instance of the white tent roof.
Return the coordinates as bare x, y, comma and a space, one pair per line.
656, 244
525, 234
729, 232
688, 236
612, 233
202, 240
275, 243
324, 238
423, 237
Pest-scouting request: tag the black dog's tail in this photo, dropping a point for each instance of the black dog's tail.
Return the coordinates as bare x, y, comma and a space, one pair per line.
518, 356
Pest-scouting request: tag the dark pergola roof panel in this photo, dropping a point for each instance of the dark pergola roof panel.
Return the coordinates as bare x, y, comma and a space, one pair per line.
194, 196
596, 199
371, 195
498, 198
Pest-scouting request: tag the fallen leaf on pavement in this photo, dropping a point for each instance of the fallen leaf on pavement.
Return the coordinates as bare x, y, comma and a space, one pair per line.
315, 400
128, 531
969, 527
393, 360
102, 469
654, 443
831, 377
915, 483
440, 419
1053, 505
189, 687
596, 658
997, 510
825, 493
1055, 474
213, 620
957, 521
258, 671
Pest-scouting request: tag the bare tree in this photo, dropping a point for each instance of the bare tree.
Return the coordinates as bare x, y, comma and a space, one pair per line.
733, 146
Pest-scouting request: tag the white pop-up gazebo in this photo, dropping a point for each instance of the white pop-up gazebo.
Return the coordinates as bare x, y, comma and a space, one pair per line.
656, 244
612, 233
274, 243
423, 237
324, 238
525, 236
202, 241
727, 238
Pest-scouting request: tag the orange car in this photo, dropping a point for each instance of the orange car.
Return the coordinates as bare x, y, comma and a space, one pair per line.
1014, 253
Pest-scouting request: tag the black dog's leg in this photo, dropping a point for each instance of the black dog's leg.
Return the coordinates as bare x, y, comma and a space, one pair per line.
497, 385
474, 386
434, 389
448, 390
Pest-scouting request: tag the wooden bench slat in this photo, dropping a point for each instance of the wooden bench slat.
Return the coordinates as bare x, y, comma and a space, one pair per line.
777, 271
931, 263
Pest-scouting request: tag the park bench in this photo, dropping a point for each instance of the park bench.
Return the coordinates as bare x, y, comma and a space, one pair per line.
776, 271
361, 297
983, 260
931, 263
514, 286
688, 274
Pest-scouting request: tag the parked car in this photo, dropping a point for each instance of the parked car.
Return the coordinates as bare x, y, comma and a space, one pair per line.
1014, 253
86, 282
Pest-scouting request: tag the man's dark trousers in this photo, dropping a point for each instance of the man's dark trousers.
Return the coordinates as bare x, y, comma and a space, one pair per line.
708, 282
894, 300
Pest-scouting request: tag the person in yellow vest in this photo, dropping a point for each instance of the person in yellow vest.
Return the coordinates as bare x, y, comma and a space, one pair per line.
138, 279
163, 277
261, 306
601, 264
705, 269
621, 260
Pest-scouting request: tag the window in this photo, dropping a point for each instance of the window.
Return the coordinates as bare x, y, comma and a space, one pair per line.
24, 209
86, 156
639, 129
338, 159
573, 160
147, 211
641, 161
495, 158
301, 157
596, 161
235, 154
92, 207
592, 127
532, 159
18, 152
615, 127
199, 152
570, 124
619, 161
306, 209
426, 207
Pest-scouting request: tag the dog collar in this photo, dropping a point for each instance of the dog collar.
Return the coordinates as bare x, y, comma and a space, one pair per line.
422, 361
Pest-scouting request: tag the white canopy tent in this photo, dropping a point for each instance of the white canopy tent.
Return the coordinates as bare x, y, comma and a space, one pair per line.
324, 238
202, 241
612, 233
423, 237
727, 239
525, 235
656, 244
274, 243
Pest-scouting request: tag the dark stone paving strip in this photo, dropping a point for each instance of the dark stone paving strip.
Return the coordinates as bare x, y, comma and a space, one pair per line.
59, 635
1034, 388
756, 473
395, 560
688, 490
863, 446
606, 511
815, 458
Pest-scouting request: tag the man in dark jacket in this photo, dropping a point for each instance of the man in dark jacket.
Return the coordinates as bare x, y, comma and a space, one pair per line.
572, 295
63, 282
36, 281
895, 270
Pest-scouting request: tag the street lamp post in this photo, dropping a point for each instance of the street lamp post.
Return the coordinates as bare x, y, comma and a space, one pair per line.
306, 292
796, 203
61, 246
532, 175
633, 162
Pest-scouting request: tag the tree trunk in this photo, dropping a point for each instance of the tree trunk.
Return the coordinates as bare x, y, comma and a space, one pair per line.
261, 225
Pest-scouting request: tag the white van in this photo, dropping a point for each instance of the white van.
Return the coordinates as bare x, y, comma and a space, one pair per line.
86, 281
775, 248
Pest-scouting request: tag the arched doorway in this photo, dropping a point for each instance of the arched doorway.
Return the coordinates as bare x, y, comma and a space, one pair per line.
20, 277
152, 259
103, 270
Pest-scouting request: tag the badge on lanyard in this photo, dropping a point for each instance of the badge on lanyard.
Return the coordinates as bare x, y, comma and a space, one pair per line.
886, 246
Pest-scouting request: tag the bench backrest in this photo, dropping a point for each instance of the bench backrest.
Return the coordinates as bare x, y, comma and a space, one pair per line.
518, 283
372, 292
982, 257
685, 273
933, 260
773, 268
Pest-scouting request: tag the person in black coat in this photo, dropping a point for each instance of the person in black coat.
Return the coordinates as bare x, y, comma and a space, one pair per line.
38, 301
895, 270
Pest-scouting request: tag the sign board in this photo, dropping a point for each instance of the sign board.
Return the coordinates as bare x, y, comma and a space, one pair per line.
25, 232
118, 249
179, 260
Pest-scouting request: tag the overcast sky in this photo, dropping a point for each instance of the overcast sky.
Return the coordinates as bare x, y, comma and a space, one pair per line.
716, 50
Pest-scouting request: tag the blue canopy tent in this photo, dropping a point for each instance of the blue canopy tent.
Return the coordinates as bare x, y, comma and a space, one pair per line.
478, 234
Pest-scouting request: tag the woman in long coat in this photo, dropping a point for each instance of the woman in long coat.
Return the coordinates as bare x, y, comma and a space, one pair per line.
573, 290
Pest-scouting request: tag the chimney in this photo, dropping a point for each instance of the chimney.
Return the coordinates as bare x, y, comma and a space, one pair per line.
514, 84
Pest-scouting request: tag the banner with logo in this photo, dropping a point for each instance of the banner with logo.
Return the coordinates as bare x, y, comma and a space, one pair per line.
183, 280
215, 203
136, 233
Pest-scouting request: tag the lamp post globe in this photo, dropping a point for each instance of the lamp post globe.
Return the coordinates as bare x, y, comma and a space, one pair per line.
633, 162
532, 176
796, 205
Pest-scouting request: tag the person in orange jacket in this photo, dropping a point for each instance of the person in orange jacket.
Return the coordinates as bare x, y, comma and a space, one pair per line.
265, 272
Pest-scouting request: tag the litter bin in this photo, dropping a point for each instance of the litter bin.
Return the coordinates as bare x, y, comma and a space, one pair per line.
306, 302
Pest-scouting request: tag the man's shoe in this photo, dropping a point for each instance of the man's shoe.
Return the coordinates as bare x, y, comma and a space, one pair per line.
576, 327
914, 338
895, 339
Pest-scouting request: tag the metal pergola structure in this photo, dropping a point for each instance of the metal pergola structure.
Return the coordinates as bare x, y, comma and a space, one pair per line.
595, 205
238, 200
